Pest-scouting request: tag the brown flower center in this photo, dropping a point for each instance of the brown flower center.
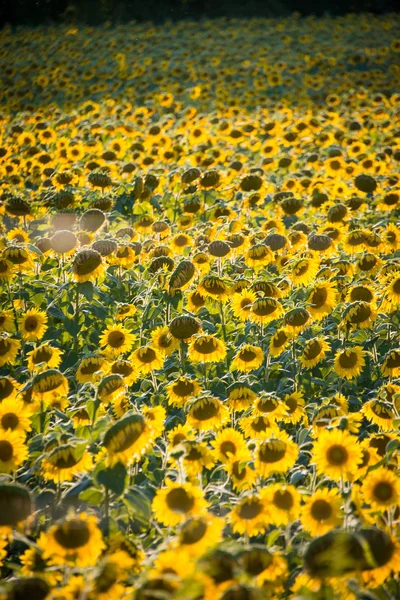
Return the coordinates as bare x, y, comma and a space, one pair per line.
178, 500
321, 510
6, 451
72, 535
250, 509
337, 455
283, 500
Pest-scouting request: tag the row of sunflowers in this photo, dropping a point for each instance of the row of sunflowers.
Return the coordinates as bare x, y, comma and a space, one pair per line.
199, 316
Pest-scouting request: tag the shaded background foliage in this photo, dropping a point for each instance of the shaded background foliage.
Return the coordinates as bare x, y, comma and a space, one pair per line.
33, 12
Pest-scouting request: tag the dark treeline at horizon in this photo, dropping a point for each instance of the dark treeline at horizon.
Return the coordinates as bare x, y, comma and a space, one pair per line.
92, 12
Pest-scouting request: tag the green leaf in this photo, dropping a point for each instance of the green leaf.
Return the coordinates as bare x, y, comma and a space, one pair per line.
86, 289
113, 478
92, 496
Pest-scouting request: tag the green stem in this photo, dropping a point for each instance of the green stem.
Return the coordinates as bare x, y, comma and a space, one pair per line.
76, 341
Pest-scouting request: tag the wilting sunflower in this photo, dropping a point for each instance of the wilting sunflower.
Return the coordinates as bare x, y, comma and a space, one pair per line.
116, 340
215, 288
230, 443
180, 390
206, 349
7, 269
65, 462
19, 257
381, 489
279, 342
89, 367
240, 396
275, 454
33, 564
13, 451
385, 557
337, 454
269, 405
265, 310
8, 350
14, 416
350, 362
258, 427
241, 473
322, 300
164, 341
207, 413
314, 351
177, 502
250, 515
193, 456
391, 363
359, 315
379, 413
75, 541
155, 417
298, 319
241, 304
147, 359
247, 358
199, 534
321, 511
283, 503
127, 439
125, 310
44, 357
33, 325
48, 385
195, 301
125, 369
258, 256
87, 265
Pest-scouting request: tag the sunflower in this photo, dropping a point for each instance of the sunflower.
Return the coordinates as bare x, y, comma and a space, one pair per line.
207, 413
269, 405
75, 541
314, 351
361, 291
321, 511
7, 269
155, 416
14, 416
33, 325
359, 315
215, 288
241, 304
322, 300
193, 456
280, 341
350, 362
283, 503
275, 454
124, 310
258, 256
164, 341
303, 271
127, 439
379, 413
89, 367
8, 350
258, 427
381, 489
87, 265
8, 388
383, 555
13, 451
19, 257
240, 396
297, 319
241, 473
195, 301
65, 462
294, 407
206, 349
250, 516
337, 454
229, 444
33, 564
176, 502
48, 385
147, 359
116, 340
180, 390
44, 357
199, 534
125, 369
7, 324
247, 358
265, 310
391, 363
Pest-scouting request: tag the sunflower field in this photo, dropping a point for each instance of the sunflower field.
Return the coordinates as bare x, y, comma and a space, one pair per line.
200, 310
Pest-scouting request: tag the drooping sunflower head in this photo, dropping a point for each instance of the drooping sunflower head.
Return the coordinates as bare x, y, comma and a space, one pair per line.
248, 358
15, 504
206, 349
184, 327
298, 319
207, 413
180, 390
87, 265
